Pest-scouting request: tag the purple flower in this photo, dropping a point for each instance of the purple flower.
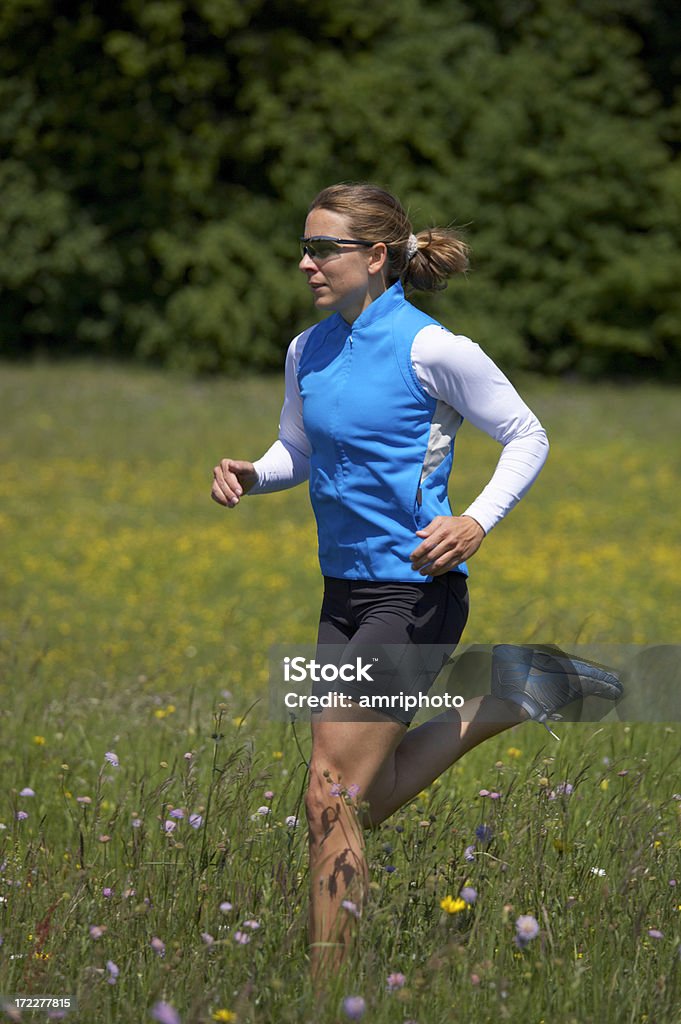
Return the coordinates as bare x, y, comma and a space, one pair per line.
169, 826
562, 789
208, 939
526, 929
484, 833
136, 822
112, 758
350, 907
195, 820
469, 853
483, 792
655, 933
113, 970
177, 813
396, 981
27, 791
336, 789
225, 907
264, 810
158, 946
354, 1007
96, 931
21, 815
353, 791
253, 925
242, 938
107, 893
390, 868
292, 821
269, 795
164, 1013
469, 894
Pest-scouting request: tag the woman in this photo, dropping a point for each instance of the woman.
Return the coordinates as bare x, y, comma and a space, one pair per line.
374, 396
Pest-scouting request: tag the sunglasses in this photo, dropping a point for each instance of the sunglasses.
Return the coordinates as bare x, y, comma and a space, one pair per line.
320, 247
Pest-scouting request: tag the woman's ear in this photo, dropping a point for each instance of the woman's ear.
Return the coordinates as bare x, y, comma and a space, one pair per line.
378, 258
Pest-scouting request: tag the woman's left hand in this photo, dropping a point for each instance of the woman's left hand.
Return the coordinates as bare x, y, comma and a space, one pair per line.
449, 540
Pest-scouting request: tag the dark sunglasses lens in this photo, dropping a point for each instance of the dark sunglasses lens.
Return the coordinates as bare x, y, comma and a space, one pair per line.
318, 250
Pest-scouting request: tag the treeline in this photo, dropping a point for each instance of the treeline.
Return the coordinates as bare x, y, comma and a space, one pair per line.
158, 156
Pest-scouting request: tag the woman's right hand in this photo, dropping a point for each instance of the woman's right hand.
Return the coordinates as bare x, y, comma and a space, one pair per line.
231, 479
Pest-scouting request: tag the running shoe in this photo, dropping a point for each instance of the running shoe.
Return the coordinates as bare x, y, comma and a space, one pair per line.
542, 681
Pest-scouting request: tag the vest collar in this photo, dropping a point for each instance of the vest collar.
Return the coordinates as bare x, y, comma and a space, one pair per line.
380, 307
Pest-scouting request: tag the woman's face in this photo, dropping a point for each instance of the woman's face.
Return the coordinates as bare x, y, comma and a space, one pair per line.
348, 280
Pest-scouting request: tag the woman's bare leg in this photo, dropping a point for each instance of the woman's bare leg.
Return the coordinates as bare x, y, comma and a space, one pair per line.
427, 751
344, 754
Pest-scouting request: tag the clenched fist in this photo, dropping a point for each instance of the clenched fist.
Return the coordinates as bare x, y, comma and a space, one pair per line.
231, 479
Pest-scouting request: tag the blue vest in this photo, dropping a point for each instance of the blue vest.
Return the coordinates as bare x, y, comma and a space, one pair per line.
378, 467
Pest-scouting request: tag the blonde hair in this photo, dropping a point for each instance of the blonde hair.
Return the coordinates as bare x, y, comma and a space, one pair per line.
377, 216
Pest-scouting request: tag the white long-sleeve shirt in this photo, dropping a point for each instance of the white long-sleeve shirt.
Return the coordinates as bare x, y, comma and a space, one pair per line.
451, 369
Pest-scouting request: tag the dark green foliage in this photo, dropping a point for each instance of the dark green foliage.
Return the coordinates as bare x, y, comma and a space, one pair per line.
158, 157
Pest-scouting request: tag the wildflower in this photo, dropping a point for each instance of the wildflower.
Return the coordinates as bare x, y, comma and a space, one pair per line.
453, 906
264, 810
292, 821
253, 925
195, 820
390, 868
85, 800
354, 1007
39, 741
336, 789
526, 928
514, 752
107, 893
350, 907
396, 981
136, 822
27, 791
158, 946
112, 758
165, 1013
469, 894
269, 795
598, 871
207, 938
494, 795
277, 754
469, 853
188, 755
96, 931
242, 938
655, 933
484, 833
169, 826
225, 1016
113, 970
177, 812
604, 783
21, 815
353, 791
483, 792
475, 979
104, 839
225, 907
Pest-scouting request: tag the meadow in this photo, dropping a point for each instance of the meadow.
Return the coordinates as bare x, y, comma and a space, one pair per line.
152, 840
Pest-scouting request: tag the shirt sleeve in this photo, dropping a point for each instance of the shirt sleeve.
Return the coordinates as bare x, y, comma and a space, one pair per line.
453, 369
287, 462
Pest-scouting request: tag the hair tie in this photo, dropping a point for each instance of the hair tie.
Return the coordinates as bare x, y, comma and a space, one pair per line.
412, 247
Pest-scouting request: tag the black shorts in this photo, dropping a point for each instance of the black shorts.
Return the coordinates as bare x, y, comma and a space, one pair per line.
402, 632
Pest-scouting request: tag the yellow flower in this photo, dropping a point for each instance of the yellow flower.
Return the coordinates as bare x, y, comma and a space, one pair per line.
39, 741
159, 713
514, 752
225, 1015
277, 754
453, 906
604, 784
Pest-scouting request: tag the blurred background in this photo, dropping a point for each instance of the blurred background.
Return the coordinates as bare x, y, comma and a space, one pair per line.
158, 157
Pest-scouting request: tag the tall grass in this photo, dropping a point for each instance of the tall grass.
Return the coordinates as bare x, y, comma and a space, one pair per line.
137, 616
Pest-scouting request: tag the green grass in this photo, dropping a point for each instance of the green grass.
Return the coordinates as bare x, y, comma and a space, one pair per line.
136, 618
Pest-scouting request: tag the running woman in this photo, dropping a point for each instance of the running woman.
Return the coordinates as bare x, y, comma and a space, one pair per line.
374, 396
